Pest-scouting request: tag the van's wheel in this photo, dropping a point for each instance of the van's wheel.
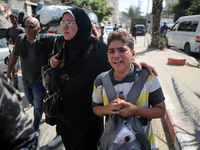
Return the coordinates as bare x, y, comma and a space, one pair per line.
199, 54
187, 49
168, 46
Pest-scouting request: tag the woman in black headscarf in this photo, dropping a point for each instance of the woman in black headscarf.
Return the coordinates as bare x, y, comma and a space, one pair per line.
83, 57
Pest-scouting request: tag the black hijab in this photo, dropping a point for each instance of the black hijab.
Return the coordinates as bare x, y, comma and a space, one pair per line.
77, 47
84, 26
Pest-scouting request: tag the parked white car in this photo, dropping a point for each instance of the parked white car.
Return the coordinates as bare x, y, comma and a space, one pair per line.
4, 52
105, 36
185, 34
109, 29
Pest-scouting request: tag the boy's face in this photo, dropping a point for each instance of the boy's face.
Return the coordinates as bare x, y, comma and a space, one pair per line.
120, 56
13, 20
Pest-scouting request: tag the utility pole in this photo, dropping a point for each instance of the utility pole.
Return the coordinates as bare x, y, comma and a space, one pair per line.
148, 7
146, 24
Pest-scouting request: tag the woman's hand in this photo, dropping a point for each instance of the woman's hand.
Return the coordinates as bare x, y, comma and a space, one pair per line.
139, 65
54, 61
96, 31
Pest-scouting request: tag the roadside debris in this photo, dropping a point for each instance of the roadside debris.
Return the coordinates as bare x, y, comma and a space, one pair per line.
176, 61
193, 64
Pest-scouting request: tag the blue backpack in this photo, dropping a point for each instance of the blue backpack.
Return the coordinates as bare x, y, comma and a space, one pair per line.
124, 133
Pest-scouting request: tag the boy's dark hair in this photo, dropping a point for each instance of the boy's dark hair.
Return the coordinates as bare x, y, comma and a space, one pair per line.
122, 36
14, 15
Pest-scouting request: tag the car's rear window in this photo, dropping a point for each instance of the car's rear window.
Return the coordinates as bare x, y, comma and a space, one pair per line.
140, 27
109, 28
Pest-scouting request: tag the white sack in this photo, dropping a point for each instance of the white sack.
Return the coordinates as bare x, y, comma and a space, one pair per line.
51, 12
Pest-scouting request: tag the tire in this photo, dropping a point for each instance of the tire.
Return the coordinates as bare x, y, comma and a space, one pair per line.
6, 60
187, 49
199, 52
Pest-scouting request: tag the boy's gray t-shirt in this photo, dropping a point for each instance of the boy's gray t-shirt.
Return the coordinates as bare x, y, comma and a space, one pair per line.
14, 32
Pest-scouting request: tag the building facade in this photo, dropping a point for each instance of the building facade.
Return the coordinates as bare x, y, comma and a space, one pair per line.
115, 18
28, 5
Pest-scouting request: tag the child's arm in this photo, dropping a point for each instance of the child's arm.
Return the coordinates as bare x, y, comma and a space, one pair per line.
111, 108
156, 111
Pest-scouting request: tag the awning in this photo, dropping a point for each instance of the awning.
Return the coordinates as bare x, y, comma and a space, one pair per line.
4, 24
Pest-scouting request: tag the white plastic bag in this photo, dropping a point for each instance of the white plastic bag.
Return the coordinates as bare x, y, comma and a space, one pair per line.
50, 13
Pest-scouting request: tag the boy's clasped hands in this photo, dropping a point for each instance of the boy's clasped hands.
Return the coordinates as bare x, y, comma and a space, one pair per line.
121, 107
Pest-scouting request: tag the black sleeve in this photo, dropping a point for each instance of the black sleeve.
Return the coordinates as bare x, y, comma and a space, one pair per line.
58, 45
101, 59
49, 44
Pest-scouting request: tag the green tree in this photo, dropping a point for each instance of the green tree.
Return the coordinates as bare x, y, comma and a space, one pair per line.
194, 8
180, 8
99, 7
132, 12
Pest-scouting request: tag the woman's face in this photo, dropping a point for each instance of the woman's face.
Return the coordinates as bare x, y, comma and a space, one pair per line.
68, 26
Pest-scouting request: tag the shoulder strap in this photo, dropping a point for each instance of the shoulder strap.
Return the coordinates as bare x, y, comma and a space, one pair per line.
109, 88
135, 90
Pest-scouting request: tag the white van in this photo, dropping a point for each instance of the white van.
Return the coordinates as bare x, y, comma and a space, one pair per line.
185, 34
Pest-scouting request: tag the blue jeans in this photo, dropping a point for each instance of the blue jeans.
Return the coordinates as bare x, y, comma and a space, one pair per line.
15, 80
34, 94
